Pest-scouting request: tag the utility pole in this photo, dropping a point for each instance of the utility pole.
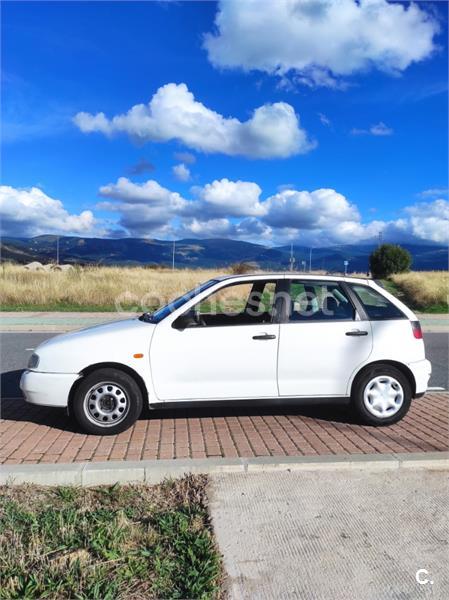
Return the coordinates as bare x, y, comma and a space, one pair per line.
380, 238
310, 260
173, 256
57, 250
292, 258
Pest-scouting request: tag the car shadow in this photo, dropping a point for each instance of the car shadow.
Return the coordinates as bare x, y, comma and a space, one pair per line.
14, 408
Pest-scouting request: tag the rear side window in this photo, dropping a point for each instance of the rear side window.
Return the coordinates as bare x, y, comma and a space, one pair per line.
319, 301
377, 307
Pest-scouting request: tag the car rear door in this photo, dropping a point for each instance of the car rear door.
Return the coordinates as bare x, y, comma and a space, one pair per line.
323, 340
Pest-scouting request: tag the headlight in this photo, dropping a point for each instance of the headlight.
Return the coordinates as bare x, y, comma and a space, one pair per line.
33, 361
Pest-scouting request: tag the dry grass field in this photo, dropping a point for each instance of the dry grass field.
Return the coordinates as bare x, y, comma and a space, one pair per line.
424, 289
95, 288
140, 288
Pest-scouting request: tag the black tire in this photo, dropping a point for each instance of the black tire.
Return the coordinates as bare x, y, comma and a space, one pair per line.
358, 390
119, 399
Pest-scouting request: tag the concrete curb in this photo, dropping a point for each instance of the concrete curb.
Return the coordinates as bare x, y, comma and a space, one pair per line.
155, 471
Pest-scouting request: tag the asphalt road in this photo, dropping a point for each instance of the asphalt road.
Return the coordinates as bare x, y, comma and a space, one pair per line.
17, 347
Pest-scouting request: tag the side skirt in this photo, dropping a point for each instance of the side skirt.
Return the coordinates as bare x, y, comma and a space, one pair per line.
253, 402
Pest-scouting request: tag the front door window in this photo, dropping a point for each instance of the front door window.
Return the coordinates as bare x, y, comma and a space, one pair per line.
247, 303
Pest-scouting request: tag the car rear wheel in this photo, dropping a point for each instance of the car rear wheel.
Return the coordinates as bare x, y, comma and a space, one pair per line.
381, 395
107, 401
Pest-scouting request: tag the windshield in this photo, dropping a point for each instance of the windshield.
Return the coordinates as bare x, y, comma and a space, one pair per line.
166, 310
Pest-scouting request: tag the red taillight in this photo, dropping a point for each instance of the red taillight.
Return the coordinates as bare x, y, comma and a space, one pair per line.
416, 328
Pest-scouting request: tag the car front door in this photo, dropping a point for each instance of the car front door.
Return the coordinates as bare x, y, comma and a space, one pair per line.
322, 340
225, 346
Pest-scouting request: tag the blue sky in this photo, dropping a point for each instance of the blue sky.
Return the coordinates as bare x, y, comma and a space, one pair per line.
350, 140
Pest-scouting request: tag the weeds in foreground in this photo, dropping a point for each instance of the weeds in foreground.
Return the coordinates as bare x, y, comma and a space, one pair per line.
108, 542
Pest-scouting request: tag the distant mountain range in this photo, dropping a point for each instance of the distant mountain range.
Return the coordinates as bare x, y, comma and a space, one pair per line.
213, 253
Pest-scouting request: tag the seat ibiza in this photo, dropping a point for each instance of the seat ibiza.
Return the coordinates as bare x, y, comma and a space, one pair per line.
263, 336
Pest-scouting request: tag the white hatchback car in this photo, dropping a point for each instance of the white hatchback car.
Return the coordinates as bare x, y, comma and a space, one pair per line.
269, 336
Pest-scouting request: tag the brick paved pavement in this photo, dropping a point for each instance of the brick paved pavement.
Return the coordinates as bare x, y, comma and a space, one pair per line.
31, 434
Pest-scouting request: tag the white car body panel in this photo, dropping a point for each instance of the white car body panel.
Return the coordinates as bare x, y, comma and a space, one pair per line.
299, 371
422, 370
47, 389
308, 359
73, 352
214, 362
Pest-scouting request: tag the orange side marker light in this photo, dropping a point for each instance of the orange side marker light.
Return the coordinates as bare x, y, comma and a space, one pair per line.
138, 355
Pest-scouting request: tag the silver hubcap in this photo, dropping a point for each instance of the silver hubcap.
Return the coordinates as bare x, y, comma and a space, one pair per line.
383, 396
106, 404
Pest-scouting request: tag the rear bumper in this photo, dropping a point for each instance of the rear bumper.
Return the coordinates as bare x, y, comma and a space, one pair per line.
422, 371
47, 389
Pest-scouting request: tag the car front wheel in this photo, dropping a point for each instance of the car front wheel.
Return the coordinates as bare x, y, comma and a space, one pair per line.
381, 395
107, 401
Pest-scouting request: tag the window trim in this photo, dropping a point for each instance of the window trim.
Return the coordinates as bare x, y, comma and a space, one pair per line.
340, 284
356, 302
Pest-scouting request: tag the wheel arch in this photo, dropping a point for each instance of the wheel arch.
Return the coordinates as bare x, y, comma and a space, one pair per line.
391, 363
109, 365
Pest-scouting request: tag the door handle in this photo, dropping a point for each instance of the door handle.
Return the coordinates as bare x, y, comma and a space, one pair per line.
264, 336
356, 332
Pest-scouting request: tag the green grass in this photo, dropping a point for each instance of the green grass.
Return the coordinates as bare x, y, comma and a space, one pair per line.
391, 287
434, 309
108, 542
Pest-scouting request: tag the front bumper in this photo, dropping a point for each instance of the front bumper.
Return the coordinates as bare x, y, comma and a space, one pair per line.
47, 389
422, 371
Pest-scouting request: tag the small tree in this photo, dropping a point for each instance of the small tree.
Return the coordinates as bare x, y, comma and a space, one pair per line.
389, 259
241, 268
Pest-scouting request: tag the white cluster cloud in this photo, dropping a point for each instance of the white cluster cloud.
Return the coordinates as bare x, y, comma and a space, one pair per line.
142, 207
320, 209
430, 220
320, 40
222, 208
235, 209
379, 129
273, 131
235, 198
30, 212
181, 172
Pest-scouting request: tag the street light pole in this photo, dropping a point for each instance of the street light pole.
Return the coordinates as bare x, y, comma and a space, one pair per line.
57, 250
173, 256
310, 260
292, 258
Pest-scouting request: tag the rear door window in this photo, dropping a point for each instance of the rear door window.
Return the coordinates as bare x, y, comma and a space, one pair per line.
377, 307
319, 301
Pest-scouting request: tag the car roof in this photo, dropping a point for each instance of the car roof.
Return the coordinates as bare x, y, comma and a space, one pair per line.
295, 275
